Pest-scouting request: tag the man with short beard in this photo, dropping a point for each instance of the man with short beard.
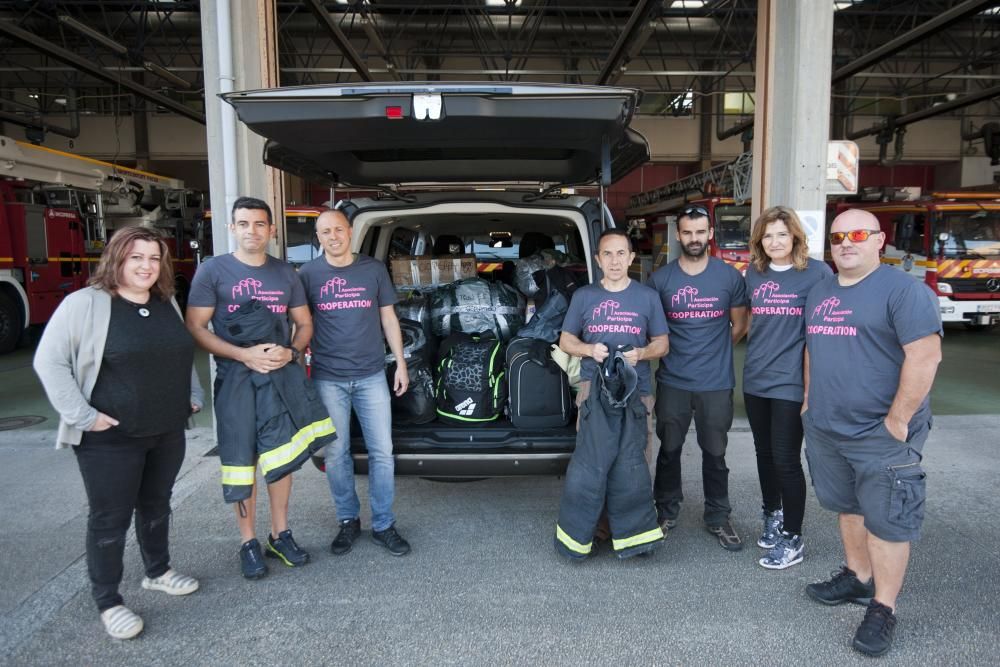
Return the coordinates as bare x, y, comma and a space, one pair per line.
705, 301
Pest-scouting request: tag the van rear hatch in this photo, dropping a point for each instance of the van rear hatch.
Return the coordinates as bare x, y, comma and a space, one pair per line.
378, 134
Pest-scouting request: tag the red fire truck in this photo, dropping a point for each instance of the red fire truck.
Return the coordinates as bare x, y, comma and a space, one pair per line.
57, 211
722, 191
951, 241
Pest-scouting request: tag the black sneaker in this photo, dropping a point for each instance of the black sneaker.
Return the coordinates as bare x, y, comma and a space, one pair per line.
349, 531
844, 586
391, 540
251, 560
285, 548
874, 635
728, 537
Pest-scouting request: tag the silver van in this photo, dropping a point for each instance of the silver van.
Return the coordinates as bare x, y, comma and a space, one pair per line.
486, 164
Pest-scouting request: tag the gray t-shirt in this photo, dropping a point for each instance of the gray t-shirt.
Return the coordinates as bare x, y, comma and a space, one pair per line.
773, 367
629, 317
697, 308
225, 283
347, 341
855, 336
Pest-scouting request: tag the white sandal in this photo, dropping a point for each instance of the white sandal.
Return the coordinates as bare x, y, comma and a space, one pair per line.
121, 622
171, 582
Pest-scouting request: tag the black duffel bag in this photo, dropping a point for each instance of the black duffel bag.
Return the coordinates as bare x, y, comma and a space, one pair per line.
417, 405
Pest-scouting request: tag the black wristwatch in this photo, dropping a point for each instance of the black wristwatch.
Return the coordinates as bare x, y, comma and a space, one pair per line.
296, 355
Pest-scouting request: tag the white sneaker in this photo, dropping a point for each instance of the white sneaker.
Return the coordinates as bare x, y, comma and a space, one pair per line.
788, 551
171, 582
121, 622
773, 525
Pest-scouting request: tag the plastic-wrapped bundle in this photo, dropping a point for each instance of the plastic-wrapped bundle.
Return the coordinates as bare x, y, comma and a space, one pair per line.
414, 341
524, 273
416, 307
527, 270
475, 305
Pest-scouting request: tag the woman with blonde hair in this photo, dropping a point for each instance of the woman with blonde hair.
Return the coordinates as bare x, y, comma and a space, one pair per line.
116, 362
778, 279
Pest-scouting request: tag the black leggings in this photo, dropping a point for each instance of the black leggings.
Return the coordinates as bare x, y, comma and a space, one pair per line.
123, 475
777, 437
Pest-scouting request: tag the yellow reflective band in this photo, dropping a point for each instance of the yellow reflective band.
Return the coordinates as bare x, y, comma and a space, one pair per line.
237, 475
636, 540
299, 443
570, 543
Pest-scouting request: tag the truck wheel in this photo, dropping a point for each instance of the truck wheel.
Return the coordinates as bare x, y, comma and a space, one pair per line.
11, 326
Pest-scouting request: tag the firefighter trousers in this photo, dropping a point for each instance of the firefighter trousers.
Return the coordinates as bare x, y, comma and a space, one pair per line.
608, 467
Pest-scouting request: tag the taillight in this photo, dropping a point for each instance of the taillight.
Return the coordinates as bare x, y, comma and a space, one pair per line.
394, 113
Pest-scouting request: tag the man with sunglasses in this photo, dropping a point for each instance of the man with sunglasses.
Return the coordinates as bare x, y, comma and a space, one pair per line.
873, 344
705, 301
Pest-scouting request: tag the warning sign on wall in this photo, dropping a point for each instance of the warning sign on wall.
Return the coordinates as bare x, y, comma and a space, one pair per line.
842, 168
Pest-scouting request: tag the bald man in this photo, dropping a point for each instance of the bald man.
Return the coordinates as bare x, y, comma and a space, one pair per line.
351, 298
873, 344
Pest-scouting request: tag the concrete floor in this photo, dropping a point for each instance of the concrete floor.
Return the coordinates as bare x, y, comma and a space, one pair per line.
483, 585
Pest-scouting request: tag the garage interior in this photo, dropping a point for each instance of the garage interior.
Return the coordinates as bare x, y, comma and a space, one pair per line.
915, 83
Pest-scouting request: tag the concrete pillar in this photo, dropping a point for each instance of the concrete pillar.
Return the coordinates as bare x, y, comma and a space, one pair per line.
707, 106
252, 37
792, 110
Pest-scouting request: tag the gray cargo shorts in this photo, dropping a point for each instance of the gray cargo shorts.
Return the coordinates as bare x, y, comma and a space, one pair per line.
876, 476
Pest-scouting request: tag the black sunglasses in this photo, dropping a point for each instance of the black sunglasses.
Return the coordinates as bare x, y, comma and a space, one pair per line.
694, 211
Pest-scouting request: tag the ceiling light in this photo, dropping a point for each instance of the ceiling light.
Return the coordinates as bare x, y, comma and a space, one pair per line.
166, 74
87, 31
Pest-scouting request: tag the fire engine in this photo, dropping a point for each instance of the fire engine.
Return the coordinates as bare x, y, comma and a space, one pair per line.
57, 211
722, 191
949, 240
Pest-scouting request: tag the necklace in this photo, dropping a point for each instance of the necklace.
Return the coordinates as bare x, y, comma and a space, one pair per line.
139, 307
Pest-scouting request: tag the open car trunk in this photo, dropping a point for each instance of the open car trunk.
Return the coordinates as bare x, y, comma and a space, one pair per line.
450, 150
378, 134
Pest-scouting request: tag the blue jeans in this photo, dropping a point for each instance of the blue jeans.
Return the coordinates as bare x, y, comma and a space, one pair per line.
370, 398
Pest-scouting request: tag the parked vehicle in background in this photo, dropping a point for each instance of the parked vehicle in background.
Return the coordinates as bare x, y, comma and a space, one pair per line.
721, 191
949, 240
57, 211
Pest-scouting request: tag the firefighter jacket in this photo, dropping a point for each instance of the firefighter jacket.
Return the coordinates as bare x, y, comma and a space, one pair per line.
609, 468
275, 419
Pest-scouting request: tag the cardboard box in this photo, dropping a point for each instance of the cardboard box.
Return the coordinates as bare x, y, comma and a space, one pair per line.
428, 272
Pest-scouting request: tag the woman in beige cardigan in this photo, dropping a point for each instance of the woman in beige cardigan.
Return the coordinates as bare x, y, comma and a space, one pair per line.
117, 365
